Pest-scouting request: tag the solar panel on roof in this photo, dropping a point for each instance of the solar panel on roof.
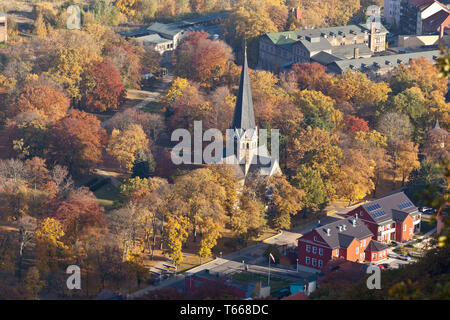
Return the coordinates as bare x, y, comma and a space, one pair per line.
405, 204
378, 213
373, 207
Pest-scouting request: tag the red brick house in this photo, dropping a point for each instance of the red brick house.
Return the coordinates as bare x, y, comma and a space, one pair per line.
376, 251
393, 217
346, 239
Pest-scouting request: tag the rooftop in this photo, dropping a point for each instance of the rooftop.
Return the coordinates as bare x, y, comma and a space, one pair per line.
392, 207
394, 60
375, 246
342, 232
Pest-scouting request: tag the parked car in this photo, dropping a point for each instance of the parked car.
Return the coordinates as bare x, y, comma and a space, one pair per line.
404, 257
384, 266
392, 255
427, 210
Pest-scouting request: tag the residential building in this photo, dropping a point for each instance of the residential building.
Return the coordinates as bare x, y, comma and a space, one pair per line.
414, 12
393, 217
392, 12
343, 239
3, 27
363, 235
437, 23
280, 50
165, 37
377, 67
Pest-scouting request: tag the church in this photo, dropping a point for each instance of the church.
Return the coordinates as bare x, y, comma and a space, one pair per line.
248, 154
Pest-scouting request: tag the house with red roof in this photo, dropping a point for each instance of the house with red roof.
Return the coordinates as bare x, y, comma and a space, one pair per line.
417, 16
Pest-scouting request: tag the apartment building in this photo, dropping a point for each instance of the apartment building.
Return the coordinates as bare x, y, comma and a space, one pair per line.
414, 12
280, 50
393, 217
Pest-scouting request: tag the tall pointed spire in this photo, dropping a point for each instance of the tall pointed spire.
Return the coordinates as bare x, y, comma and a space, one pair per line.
244, 117
437, 126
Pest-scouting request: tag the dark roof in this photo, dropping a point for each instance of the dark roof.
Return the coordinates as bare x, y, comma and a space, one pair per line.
390, 61
375, 246
392, 207
244, 117
433, 22
324, 58
343, 238
348, 51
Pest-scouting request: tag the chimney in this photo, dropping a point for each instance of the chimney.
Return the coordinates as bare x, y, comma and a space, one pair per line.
344, 227
356, 53
354, 222
327, 231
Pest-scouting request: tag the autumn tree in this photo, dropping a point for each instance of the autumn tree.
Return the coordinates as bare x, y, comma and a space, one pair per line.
355, 178
249, 219
125, 145
46, 101
311, 76
286, 201
200, 196
78, 211
77, 141
310, 182
418, 73
248, 20
175, 234
355, 124
318, 109
407, 159
68, 67
358, 89
202, 60
102, 87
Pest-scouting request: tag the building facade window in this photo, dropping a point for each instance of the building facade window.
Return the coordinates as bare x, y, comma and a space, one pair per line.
308, 248
404, 227
314, 250
320, 263
314, 262
374, 256
321, 251
307, 260
357, 250
410, 230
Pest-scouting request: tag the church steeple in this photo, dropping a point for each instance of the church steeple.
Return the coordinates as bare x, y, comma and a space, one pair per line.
244, 117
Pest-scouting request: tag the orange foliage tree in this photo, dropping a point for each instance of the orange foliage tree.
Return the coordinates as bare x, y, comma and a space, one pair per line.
46, 101
77, 141
102, 87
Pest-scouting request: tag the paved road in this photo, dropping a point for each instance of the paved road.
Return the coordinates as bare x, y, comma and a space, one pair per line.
252, 257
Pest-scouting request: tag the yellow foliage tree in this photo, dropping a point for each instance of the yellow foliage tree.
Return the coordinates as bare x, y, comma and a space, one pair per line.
125, 145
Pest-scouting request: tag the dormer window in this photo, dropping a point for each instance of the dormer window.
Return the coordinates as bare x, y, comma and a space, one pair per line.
361, 214
315, 238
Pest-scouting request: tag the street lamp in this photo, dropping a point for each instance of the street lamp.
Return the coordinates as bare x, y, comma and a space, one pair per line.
297, 264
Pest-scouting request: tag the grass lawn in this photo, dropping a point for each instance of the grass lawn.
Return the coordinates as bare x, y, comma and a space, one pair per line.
276, 284
190, 261
106, 196
154, 107
426, 226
